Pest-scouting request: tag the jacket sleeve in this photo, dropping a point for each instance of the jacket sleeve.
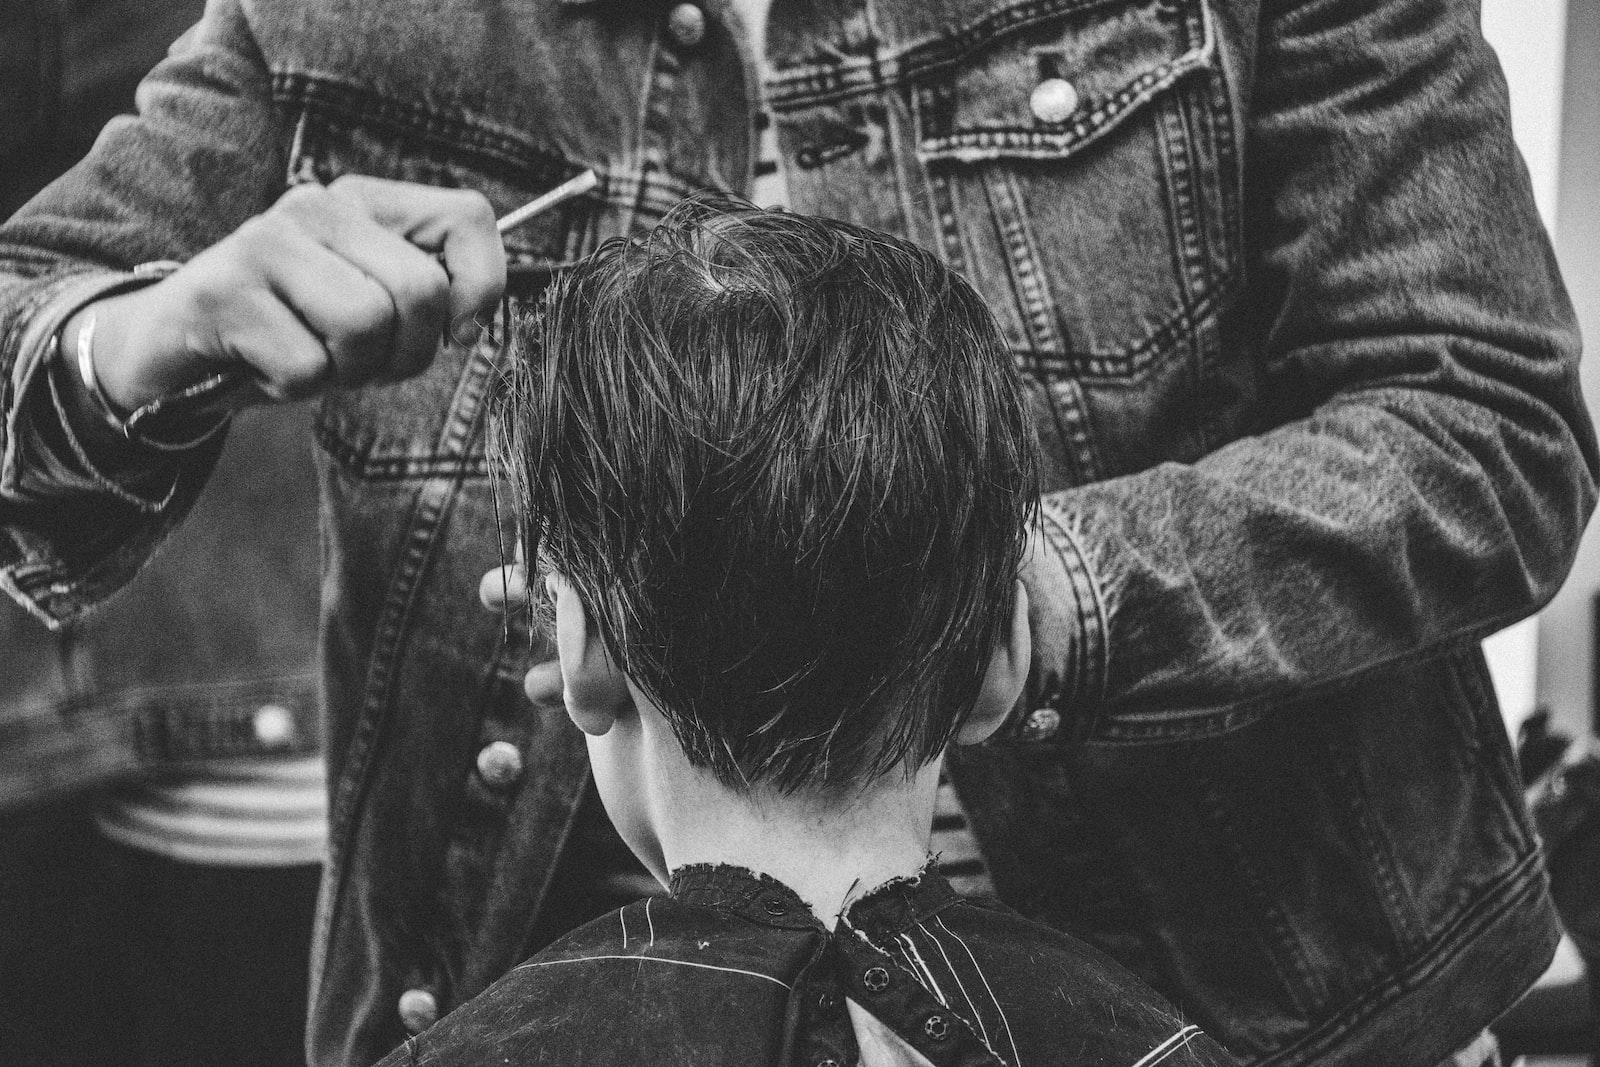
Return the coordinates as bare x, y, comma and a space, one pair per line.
1425, 465
205, 152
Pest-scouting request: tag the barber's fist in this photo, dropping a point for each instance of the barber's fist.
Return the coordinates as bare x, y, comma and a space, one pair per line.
354, 282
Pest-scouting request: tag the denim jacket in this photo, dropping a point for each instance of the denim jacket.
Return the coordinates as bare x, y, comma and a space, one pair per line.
208, 655
1305, 379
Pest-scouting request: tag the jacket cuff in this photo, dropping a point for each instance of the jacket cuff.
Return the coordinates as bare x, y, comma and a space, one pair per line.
48, 443
81, 520
1067, 614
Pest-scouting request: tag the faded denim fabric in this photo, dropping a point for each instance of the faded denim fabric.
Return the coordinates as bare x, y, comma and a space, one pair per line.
1304, 372
734, 969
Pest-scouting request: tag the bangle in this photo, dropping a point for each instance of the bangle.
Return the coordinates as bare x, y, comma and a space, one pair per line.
174, 422
91, 380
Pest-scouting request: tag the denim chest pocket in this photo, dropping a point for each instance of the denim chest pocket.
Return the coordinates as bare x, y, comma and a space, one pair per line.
432, 425
1076, 161
1081, 159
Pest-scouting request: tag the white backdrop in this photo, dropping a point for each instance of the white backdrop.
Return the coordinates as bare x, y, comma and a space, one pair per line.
1530, 37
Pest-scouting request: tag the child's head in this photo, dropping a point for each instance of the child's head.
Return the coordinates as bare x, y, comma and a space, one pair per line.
785, 466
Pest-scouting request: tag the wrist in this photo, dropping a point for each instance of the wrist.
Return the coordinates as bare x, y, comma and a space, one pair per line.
118, 344
163, 406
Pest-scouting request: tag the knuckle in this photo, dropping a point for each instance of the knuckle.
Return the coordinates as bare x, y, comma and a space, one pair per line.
467, 210
473, 206
301, 199
267, 227
373, 308
423, 282
262, 241
353, 187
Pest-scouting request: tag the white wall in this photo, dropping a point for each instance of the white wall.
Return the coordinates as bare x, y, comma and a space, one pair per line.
1566, 642
1530, 37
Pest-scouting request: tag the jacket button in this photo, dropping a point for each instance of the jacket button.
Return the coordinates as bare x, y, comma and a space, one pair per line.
1053, 100
1041, 724
419, 1009
937, 1027
774, 906
687, 25
272, 725
499, 764
876, 979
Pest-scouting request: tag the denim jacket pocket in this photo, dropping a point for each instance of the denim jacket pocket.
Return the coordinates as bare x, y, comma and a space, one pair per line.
1058, 88
1036, 133
1076, 161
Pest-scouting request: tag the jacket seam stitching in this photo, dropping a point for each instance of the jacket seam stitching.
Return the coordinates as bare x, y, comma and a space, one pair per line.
812, 84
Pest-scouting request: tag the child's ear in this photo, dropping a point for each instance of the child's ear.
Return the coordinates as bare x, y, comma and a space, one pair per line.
594, 690
1003, 682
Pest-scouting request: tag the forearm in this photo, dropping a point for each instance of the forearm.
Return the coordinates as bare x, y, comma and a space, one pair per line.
204, 153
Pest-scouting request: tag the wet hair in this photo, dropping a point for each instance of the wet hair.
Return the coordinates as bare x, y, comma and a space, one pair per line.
786, 463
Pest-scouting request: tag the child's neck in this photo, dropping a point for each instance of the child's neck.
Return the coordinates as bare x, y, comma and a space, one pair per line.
829, 851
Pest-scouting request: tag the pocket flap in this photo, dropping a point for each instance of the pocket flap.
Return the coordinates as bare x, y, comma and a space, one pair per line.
1058, 84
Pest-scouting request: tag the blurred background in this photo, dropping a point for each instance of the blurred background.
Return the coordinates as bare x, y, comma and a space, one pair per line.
1546, 668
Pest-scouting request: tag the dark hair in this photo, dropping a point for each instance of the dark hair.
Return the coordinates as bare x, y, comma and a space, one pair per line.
785, 461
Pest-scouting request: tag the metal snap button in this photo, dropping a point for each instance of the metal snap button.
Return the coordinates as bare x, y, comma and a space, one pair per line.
1041, 724
1053, 100
876, 979
774, 906
937, 1027
499, 764
273, 725
419, 1009
687, 25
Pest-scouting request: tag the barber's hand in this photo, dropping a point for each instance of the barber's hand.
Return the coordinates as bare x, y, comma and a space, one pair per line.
354, 282
506, 589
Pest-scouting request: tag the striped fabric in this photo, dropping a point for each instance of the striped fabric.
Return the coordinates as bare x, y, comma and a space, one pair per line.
234, 813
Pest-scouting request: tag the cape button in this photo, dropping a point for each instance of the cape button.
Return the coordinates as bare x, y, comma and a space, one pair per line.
419, 1009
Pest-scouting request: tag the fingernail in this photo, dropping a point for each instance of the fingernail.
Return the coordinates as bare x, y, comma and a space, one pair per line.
466, 331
